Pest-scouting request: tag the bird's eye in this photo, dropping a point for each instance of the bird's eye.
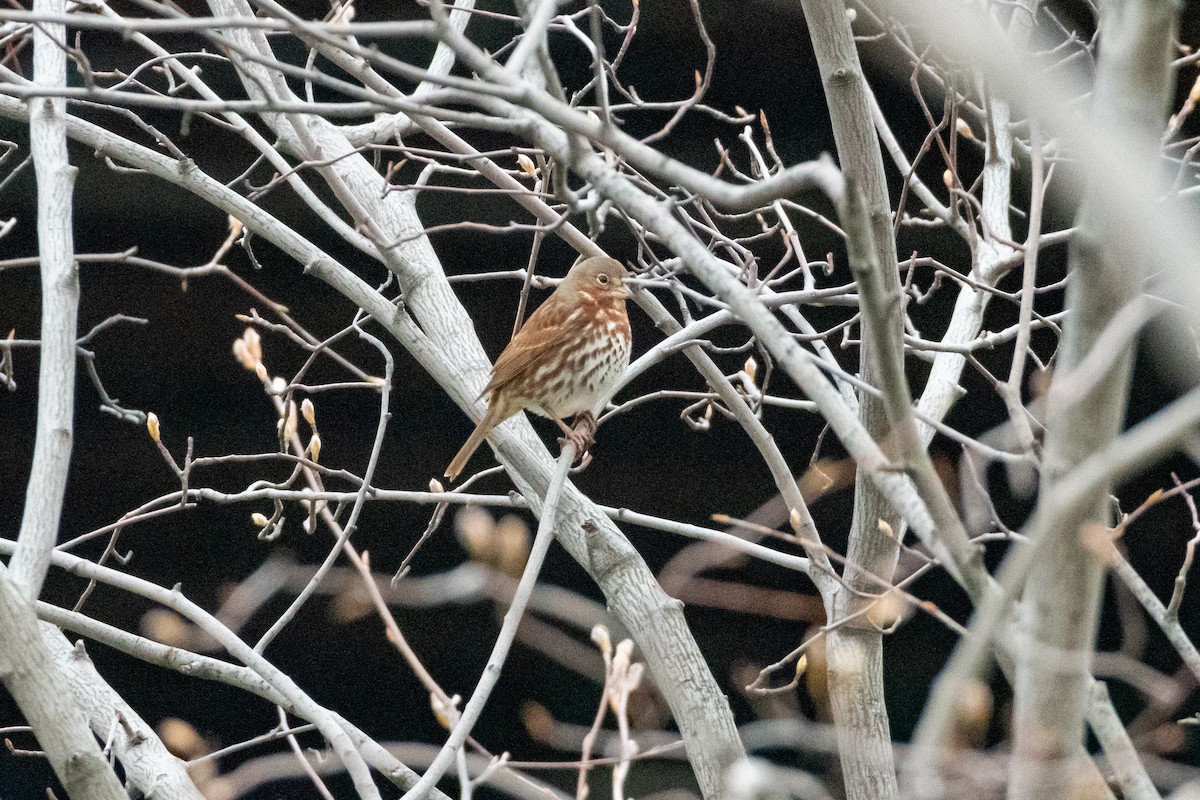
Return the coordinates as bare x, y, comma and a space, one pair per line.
602, 278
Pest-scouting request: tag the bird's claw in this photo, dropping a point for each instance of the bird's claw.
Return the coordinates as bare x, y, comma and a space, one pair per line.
582, 435
582, 440
582, 465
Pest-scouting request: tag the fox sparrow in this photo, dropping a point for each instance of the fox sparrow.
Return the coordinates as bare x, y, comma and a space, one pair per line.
566, 358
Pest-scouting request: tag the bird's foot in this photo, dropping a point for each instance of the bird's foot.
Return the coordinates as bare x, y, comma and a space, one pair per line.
586, 425
582, 434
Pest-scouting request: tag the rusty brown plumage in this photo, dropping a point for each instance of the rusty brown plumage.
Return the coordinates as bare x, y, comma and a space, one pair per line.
568, 356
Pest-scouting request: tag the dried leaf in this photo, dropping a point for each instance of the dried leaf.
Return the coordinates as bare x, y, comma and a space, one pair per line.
512, 542
602, 639
474, 527
182, 739
527, 166
889, 611
751, 368
166, 627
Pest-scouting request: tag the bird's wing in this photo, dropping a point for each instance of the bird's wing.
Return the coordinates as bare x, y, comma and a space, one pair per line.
542, 333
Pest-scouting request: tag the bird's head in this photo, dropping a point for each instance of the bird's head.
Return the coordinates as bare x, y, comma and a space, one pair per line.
598, 276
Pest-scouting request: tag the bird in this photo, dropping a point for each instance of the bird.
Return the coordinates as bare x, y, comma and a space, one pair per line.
569, 354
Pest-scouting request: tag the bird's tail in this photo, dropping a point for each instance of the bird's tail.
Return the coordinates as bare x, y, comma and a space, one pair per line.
464, 455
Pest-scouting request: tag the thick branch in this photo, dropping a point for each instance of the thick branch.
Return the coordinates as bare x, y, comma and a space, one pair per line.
1061, 605
28, 671
60, 307
147, 763
855, 653
87, 681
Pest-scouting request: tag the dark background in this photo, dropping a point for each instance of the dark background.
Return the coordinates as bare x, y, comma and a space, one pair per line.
180, 367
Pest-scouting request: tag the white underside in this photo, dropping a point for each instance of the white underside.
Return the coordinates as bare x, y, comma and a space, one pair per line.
612, 354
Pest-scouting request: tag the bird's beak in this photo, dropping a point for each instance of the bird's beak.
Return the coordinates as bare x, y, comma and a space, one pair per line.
629, 284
